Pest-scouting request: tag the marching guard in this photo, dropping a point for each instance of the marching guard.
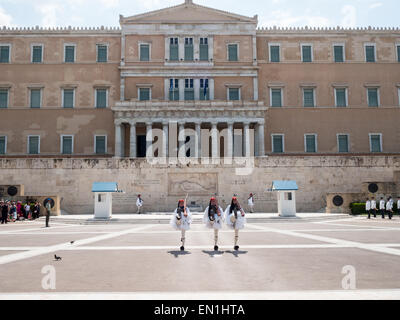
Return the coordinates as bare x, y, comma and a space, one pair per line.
181, 220
235, 219
213, 219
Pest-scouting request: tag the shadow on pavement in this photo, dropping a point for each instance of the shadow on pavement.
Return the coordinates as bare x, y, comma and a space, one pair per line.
237, 253
213, 253
176, 254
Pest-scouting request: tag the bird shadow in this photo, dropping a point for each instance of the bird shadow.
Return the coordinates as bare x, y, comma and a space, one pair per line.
237, 253
214, 253
176, 254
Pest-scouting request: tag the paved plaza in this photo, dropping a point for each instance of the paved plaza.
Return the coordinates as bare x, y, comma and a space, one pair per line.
277, 259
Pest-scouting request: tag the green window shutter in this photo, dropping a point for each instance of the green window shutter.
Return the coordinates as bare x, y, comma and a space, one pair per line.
311, 145
2, 145
102, 53
204, 52
398, 53
189, 49
277, 144
274, 51
234, 94
370, 53
68, 98
35, 98
373, 97
4, 54
3, 98
101, 98
67, 145
70, 54
174, 49
37, 54
100, 145
144, 94
309, 98
343, 141
338, 52
144, 52
307, 55
233, 52
276, 98
376, 143
189, 91
341, 98
33, 145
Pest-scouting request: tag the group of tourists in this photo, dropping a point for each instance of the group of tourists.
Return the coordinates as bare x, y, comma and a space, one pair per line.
12, 211
385, 207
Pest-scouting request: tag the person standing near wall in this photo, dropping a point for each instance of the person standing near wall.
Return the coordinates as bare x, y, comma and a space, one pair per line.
368, 208
48, 213
4, 212
398, 205
139, 204
389, 208
250, 202
382, 207
373, 206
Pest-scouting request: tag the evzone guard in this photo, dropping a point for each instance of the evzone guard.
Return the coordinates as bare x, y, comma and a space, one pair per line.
181, 220
235, 219
213, 219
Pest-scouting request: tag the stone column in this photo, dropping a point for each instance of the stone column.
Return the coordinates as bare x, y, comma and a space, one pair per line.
181, 140
149, 140
214, 139
246, 139
133, 145
198, 140
118, 139
229, 152
165, 139
261, 143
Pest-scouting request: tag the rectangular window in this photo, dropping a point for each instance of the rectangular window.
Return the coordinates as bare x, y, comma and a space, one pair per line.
233, 52
189, 91
370, 53
102, 53
203, 49
338, 51
311, 143
144, 94
173, 49
204, 89
100, 144
234, 94
33, 144
36, 98
101, 98
277, 143
4, 54
375, 142
3, 144
308, 98
144, 52
274, 53
343, 143
3, 98
174, 89
69, 53
37, 54
67, 144
276, 97
189, 49
398, 53
306, 51
373, 97
341, 97
68, 98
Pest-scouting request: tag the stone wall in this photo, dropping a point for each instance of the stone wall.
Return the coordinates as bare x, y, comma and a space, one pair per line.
161, 185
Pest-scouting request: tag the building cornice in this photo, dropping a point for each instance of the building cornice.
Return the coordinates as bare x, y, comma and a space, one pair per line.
326, 30
61, 30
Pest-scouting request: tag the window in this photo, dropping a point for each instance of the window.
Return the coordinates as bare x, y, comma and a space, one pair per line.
306, 53
203, 49
278, 143
37, 53
3, 144
144, 94
233, 94
173, 49
33, 144
370, 53
233, 52
274, 53
343, 143
375, 141
102, 53
36, 98
309, 97
100, 144
341, 97
5, 53
204, 89
173, 89
67, 144
398, 52
373, 97
69, 54
101, 98
144, 52
338, 52
276, 97
189, 49
189, 91
310, 141
3, 98
68, 98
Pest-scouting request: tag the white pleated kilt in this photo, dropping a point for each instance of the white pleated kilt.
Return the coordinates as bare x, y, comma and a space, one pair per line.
219, 220
240, 221
186, 221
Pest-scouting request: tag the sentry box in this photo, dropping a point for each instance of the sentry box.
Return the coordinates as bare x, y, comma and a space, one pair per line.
103, 199
286, 197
